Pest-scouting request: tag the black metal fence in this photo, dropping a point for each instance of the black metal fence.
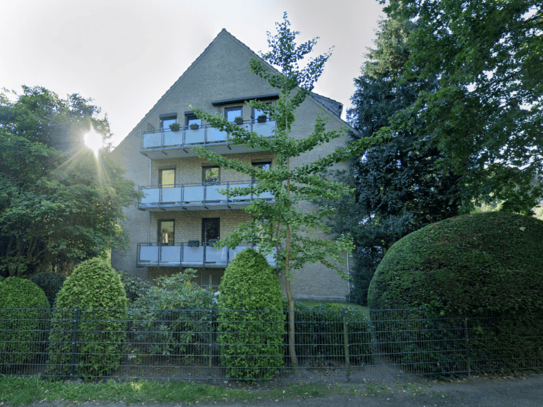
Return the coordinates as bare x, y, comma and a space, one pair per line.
205, 345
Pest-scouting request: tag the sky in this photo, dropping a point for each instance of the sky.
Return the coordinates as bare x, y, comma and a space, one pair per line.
125, 54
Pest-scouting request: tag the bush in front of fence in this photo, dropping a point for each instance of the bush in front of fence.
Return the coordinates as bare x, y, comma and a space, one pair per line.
251, 319
173, 317
329, 332
134, 286
479, 280
23, 320
50, 283
89, 323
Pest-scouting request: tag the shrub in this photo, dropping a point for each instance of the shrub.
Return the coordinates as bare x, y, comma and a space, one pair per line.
23, 321
320, 333
50, 283
94, 300
173, 317
135, 287
476, 276
251, 319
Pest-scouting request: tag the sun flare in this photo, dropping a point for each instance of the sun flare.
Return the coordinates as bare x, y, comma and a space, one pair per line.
94, 141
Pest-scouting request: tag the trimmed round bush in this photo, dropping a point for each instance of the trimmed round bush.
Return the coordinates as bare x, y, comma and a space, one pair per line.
92, 304
50, 283
251, 318
476, 277
23, 322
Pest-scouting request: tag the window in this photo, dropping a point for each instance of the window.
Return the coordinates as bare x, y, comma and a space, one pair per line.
166, 120
166, 178
210, 175
166, 232
232, 112
211, 231
192, 119
258, 112
211, 280
263, 165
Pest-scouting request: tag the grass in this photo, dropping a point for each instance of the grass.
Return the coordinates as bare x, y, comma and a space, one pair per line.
15, 391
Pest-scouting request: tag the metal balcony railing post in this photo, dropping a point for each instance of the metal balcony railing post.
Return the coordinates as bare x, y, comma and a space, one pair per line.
468, 350
74, 341
182, 255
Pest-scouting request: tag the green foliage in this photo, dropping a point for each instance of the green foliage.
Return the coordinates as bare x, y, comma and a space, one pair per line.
399, 185
251, 321
173, 317
23, 322
134, 287
50, 283
485, 114
94, 297
320, 332
58, 206
477, 266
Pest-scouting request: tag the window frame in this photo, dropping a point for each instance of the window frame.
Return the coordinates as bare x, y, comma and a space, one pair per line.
218, 220
160, 183
232, 108
206, 167
159, 232
166, 117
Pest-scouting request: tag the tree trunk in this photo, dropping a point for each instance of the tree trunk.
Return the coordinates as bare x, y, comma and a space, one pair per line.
291, 329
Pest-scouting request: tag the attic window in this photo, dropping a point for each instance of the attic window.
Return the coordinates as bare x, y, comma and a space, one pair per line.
166, 120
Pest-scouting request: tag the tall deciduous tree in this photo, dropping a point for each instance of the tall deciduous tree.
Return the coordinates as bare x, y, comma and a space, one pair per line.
486, 114
56, 207
399, 185
282, 226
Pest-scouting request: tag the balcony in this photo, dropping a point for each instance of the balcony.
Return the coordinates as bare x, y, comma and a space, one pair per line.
197, 197
183, 255
177, 144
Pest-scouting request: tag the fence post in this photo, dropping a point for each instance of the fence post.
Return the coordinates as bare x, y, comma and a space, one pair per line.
468, 350
74, 341
346, 345
210, 343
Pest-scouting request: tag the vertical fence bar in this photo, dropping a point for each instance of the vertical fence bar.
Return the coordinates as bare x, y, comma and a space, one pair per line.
468, 350
210, 339
346, 345
74, 342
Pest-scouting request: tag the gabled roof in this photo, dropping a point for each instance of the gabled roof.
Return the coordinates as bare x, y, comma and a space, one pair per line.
333, 107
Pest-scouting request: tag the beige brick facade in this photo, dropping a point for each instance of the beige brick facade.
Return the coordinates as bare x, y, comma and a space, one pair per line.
220, 73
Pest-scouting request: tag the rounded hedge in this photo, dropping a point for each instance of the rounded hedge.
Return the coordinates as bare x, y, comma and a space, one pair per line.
251, 318
23, 321
93, 298
487, 268
50, 283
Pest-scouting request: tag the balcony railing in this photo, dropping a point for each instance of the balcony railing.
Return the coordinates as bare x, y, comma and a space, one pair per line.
186, 255
197, 196
171, 143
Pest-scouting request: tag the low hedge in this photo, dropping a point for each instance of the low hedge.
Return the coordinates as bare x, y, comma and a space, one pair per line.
23, 322
478, 282
91, 305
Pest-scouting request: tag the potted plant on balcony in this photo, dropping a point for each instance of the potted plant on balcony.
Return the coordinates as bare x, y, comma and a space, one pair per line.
238, 120
194, 126
175, 126
194, 243
261, 118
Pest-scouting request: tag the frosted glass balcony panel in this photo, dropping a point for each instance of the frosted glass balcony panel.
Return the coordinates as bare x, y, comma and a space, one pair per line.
215, 135
213, 193
214, 255
173, 138
152, 140
264, 129
171, 254
193, 254
194, 194
195, 136
151, 195
171, 194
149, 253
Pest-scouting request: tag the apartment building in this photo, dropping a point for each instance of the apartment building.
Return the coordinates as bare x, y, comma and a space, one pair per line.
182, 212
